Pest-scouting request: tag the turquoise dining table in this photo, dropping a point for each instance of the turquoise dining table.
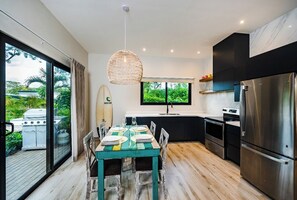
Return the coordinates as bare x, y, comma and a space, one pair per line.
128, 149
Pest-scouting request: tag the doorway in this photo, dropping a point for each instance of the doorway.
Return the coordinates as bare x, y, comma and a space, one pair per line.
34, 120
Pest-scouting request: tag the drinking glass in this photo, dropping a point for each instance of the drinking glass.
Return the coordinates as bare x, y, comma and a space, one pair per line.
134, 123
124, 123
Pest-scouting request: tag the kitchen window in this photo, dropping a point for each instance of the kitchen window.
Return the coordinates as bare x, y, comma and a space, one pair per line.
162, 93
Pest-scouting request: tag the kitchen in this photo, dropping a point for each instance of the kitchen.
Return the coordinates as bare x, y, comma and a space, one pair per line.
167, 65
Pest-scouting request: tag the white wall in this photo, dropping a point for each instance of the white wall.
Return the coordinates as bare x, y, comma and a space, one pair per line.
35, 16
127, 98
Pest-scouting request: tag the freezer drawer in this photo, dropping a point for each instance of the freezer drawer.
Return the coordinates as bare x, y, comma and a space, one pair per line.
271, 173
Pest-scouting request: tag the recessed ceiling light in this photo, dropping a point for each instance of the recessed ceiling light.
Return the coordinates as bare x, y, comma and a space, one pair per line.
241, 22
290, 26
143, 49
171, 50
198, 52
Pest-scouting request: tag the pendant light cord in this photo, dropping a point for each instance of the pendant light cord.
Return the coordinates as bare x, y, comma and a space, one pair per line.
125, 31
126, 9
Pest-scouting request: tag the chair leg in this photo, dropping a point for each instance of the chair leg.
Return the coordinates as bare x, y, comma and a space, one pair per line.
137, 185
89, 187
119, 186
163, 181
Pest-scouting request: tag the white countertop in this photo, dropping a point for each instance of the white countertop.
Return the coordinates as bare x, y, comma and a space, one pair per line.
181, 114
234, 123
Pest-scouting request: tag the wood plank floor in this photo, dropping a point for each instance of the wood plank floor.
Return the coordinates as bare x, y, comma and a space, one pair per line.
192, 173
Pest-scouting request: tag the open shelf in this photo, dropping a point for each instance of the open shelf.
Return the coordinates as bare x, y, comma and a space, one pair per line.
213, 92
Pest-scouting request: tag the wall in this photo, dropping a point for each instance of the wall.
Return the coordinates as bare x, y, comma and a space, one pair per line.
277, 33
127, 97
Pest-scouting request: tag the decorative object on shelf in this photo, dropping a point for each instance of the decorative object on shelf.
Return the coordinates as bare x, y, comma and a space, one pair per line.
206, 78
124, 67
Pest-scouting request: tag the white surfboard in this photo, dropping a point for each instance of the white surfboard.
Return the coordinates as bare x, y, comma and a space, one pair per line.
104, 107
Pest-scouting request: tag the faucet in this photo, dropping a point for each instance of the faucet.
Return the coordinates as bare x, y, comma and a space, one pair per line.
167, 109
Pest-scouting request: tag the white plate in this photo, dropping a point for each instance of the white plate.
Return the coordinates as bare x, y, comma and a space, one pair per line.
143, 137
112, 138
117, 129
139, 129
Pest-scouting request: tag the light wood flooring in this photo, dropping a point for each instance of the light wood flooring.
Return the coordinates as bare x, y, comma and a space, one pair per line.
192, 173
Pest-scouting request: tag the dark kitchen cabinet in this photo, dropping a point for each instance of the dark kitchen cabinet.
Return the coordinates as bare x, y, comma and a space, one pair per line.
230, 58
233, 143
200, 130
179, 128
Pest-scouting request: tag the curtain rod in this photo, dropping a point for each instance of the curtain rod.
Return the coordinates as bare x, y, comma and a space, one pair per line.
43, 40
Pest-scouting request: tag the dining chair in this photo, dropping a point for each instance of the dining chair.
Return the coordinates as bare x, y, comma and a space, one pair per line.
143, 166
101, 130
153, 128
112, 168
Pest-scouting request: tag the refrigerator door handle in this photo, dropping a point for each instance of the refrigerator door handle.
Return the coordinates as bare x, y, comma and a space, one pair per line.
242, 109
282, 161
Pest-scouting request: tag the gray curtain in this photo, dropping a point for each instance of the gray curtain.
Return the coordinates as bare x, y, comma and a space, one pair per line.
78, 108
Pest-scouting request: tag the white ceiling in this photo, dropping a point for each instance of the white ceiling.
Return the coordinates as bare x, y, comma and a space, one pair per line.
187, 26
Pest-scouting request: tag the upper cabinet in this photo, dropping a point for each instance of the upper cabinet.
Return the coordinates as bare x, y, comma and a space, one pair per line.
230, 58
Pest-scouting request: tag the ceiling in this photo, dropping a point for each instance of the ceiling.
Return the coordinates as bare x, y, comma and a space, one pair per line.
187, 26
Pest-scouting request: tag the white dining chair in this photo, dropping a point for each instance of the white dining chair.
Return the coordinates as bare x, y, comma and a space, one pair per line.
153, 128
112, 168
101, 130
143, 166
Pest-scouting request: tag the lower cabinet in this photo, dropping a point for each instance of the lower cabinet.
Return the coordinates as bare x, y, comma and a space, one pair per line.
233, 143
180, 128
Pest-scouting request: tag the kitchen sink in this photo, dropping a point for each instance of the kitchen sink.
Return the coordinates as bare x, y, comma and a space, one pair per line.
169, 114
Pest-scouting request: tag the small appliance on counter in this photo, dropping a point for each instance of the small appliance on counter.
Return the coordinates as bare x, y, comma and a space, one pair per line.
215, 130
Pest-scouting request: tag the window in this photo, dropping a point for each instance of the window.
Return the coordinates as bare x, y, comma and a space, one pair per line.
162, 93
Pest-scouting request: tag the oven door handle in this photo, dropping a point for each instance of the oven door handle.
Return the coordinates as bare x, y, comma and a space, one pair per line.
214, 122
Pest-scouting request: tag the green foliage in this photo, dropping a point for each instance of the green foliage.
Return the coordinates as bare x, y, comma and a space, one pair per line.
154, 92
13, 87
13, 143
11, 51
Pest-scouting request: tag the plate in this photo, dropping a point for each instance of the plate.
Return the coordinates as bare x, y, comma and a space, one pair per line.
118, 129
139, 129
112, 138
143, 137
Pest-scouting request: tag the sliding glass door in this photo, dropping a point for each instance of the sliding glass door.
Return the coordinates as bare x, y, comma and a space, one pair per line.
34, 117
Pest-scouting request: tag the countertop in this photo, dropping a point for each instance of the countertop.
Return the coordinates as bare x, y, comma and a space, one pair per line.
234, 123
180, 114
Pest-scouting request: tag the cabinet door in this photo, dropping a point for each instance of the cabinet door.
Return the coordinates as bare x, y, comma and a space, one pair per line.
200, 130
233, 143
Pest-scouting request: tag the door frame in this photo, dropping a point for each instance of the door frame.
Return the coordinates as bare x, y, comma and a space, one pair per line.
51, 63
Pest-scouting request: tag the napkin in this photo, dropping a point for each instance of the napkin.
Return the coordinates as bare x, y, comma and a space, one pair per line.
106, 143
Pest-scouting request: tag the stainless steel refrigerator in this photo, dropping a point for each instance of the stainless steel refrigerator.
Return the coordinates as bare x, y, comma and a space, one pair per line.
268, 134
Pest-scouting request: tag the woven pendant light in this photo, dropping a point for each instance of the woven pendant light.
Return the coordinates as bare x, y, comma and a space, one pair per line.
124, 67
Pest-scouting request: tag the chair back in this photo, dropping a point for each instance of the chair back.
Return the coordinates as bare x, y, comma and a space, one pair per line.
89, 147
153, 128
163, 141
101, 130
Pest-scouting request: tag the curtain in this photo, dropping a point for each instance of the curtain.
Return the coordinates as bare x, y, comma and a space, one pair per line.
78, 109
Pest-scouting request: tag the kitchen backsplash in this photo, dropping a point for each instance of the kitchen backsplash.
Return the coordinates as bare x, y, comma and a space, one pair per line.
217, 101
277, 33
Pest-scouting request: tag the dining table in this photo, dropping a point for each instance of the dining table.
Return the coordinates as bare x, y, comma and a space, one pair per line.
128, 148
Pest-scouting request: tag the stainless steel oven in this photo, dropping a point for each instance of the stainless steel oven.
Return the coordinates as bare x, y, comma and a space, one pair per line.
215, 136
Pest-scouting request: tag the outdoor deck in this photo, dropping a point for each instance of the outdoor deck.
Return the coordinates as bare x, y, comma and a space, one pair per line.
25, 168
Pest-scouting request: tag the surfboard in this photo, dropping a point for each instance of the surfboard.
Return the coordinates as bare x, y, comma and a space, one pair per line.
104, 107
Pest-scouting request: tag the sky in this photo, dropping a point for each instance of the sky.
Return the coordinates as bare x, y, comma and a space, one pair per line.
21, 68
